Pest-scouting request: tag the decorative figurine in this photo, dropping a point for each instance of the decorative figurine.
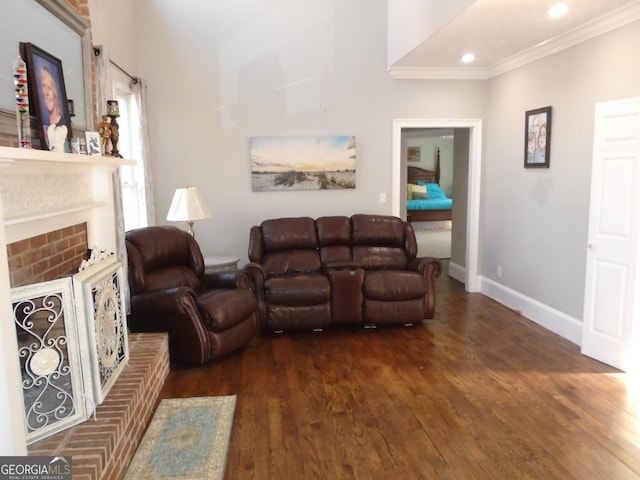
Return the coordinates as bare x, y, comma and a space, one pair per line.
105, 133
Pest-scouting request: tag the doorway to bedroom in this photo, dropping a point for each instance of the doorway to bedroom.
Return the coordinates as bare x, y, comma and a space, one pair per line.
461, 141
429, 157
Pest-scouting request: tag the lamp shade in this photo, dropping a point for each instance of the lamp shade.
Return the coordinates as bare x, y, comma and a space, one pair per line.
187, 205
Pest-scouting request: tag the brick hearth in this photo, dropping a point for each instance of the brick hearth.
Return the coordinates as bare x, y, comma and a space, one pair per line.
103, 448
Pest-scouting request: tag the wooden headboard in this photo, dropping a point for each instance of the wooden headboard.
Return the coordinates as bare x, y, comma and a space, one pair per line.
429, 176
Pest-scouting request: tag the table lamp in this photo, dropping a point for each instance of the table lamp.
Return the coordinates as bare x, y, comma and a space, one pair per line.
188, 205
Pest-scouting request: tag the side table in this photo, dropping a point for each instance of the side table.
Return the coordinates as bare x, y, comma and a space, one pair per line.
220, 263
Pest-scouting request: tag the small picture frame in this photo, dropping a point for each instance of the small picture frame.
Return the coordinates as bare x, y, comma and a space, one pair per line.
413, 154
93, 143
51, 123
537, 138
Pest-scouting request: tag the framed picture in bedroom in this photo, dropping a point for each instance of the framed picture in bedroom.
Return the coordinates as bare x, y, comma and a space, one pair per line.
413, 154
51, 123
537, 138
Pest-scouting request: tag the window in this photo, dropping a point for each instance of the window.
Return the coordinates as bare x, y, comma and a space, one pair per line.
130, 146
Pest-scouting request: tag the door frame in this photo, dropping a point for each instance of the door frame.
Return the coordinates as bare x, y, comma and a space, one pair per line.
472, 278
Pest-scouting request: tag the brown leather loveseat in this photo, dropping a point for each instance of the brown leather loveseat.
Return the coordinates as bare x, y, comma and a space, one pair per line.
309, 274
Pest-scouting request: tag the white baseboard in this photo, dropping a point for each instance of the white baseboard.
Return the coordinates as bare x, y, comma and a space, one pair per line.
458, 272
559, 323
550, 318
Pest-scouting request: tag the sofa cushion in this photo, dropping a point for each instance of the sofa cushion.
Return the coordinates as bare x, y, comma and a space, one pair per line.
389, 313
297, 289
334, 231
284, 317
334, 237
171, 277
223, 309
378, 242
378, 230
393, 285
282, 234
292, 261
380, 258
290, 245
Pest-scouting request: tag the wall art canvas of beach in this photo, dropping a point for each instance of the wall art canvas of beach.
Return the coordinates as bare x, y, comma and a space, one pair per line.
303, 163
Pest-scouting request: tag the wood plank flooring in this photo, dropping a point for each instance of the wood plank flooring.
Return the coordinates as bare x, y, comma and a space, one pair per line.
477, 393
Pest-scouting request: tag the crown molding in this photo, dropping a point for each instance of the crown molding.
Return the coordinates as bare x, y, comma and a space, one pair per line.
604, 24
438, 73
617, 18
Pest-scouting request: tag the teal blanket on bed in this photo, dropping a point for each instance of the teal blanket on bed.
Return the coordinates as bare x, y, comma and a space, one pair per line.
430, 204
437, 199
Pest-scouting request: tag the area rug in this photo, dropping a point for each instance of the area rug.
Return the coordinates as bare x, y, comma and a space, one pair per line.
187, 439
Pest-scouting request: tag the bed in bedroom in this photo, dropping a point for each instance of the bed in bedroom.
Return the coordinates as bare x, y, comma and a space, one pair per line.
423, 183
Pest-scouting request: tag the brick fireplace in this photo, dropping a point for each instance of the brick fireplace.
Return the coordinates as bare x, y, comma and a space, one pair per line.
47, 256
54, 208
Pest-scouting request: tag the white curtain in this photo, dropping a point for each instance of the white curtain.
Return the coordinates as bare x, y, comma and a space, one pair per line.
105, 91
140, 92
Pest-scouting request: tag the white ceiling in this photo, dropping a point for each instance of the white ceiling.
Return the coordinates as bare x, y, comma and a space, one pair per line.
504, 34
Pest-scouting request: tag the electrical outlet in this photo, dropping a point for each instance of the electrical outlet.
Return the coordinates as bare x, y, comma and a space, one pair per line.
383, 198
499, 271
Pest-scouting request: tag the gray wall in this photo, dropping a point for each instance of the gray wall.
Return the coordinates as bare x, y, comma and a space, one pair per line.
224, 73
534, 221
461, 137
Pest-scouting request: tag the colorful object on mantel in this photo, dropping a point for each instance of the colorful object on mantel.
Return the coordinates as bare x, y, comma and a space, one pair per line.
22, 102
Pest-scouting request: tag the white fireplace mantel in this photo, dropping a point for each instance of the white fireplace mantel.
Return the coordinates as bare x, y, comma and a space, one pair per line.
41, 191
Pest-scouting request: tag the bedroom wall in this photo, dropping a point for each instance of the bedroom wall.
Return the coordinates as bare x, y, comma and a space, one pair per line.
535, 221
232, 70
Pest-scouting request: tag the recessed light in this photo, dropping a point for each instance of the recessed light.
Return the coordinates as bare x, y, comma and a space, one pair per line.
558, 10
468, 57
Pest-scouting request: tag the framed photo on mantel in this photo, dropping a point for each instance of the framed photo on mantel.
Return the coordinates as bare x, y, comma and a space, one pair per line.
51, 123
537, 138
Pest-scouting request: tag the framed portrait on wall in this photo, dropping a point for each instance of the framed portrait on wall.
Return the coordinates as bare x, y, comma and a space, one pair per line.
537, 138
51, 123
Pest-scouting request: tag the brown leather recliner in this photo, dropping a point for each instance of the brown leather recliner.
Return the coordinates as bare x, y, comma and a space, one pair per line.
360, 269
207, 316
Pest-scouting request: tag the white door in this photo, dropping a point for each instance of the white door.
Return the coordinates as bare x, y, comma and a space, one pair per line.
612, 300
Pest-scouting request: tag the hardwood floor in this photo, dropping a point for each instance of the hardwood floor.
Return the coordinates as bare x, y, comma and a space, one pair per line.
477, 393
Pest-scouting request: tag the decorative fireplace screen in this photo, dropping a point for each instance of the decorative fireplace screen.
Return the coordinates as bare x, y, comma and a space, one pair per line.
56, 395
99, 301
72, 344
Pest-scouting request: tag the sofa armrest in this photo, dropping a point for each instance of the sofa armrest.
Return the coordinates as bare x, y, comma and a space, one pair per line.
257, 276
430, 268
174, 310
167, 301
226, 279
